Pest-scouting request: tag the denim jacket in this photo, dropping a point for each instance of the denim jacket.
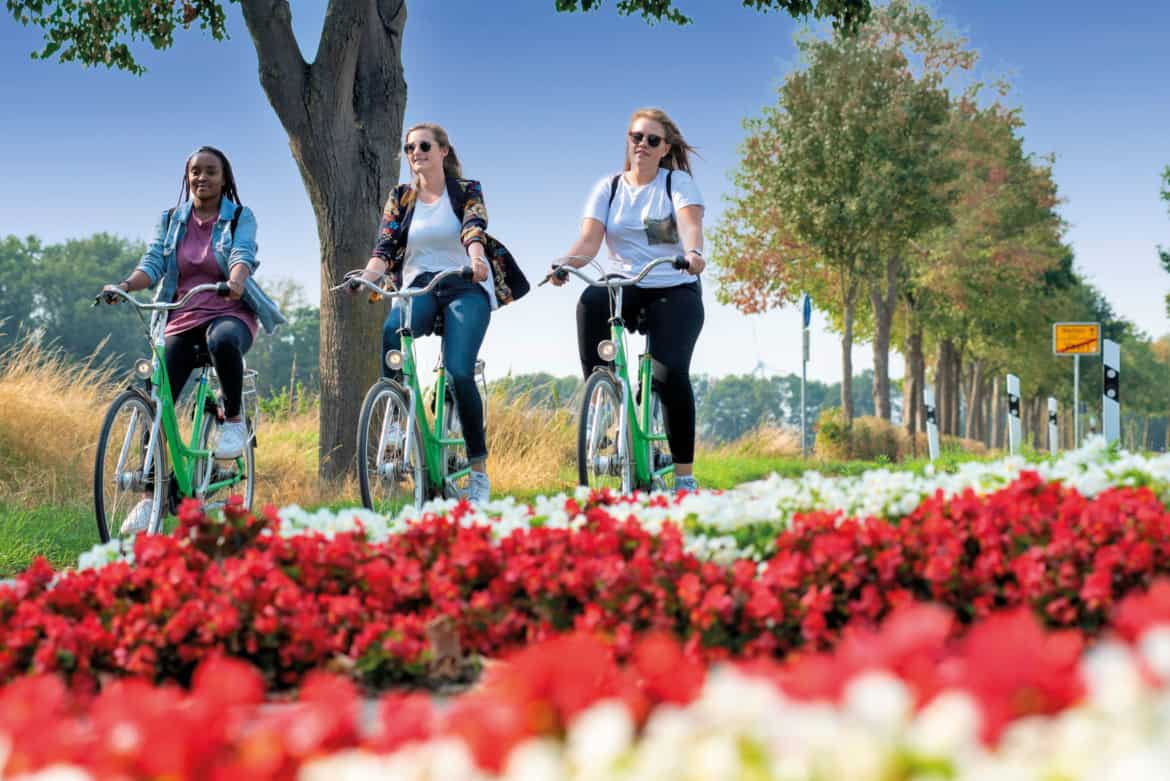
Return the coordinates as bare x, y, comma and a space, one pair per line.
161, 260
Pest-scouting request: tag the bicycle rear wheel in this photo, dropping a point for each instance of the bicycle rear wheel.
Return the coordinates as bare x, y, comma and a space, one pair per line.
390, 477
237, 476
660, 456
453, 459
121, 478
603, 453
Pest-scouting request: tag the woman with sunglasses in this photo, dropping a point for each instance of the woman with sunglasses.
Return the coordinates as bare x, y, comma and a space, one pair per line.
652, 209
435, 222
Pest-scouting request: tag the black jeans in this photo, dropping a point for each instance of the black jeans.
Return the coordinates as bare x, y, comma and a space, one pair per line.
672, 318
225, 339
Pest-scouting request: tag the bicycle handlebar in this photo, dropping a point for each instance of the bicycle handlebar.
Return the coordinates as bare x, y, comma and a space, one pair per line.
562, 270
219, 288
354, 279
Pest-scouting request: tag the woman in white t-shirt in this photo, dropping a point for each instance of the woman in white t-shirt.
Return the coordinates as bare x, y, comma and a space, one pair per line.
651, 210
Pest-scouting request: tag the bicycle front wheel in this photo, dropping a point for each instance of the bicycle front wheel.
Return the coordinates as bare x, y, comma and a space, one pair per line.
603, 453
391, 475
218, 480
123, 477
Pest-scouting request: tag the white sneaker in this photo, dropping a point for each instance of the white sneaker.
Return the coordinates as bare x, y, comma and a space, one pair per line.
480, 489
232, 438
138, 519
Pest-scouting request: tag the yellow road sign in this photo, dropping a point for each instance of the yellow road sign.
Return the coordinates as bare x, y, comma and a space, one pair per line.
1076, 338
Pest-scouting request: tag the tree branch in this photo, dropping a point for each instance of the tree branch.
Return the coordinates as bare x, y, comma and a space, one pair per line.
343, 23
282, 67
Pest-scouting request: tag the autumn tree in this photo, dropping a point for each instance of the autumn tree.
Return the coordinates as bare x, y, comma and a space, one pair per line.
343, 115
839, 175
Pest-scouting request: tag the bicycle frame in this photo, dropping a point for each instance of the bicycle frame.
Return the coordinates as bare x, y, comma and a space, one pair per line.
636, 418
182, 455
433, 442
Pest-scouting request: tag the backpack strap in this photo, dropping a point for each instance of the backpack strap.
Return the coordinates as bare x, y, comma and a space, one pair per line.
613, 184
240, 209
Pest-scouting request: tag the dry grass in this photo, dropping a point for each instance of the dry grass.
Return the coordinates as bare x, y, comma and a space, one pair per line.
50, 415
529, 447
51, 412
763, 442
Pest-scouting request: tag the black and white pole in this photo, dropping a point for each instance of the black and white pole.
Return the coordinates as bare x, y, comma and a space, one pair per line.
1053, 429
931, 421
1013, 390
805, 317
1111, 397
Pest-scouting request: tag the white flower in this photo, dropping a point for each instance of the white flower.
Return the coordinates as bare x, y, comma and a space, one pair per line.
879, 700
1154, 646
1113, 679
535, 760
598, 736
947, 725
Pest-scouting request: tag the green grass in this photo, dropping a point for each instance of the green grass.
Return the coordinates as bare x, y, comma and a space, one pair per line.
57, 533
62, 533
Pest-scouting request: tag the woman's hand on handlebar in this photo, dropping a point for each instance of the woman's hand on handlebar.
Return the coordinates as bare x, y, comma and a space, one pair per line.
696, 264
367, 274
110, 293
479, 269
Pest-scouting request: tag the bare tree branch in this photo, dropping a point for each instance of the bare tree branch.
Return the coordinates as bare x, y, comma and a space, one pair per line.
282, 67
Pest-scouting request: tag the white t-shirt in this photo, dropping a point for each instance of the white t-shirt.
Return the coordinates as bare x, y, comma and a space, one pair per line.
641, 225
433, 243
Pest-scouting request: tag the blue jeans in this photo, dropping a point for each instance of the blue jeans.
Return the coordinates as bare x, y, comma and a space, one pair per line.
466, 312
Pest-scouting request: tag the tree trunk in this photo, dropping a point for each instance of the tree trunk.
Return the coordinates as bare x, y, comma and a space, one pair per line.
847, 361
913, 381
974, 400
996, 438
883, 294
943, 382
956, 406
343, 115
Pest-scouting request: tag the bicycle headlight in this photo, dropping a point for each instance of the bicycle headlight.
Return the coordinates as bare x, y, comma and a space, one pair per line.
394, 359
143, 368
606, 350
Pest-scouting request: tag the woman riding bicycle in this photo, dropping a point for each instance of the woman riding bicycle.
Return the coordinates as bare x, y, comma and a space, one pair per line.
652, 209
208, 237
435, 222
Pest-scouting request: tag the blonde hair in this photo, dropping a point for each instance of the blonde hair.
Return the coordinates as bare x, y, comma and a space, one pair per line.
451, 166
676, 158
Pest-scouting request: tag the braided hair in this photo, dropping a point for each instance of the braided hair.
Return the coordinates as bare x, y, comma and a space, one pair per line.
230, 190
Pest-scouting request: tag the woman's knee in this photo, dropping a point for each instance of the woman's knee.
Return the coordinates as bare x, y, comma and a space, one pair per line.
225, 343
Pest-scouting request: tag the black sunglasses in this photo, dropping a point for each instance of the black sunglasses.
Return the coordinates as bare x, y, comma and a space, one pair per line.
652, 141
423, 146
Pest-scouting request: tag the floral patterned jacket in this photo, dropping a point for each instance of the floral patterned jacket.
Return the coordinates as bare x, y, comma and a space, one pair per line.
466, 197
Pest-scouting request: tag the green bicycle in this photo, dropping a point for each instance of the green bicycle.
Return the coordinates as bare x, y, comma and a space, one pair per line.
404, 458
141, 436
621, 439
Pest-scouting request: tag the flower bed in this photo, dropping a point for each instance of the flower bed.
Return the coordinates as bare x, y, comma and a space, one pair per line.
296, 593
1007, 700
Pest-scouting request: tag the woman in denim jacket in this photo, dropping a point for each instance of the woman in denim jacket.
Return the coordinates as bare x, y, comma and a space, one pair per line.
435, 222
207, 238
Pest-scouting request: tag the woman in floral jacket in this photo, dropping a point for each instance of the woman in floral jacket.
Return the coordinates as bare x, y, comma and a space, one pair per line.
435, 222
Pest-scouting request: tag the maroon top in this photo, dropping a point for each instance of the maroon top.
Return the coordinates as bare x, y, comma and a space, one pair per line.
198, 266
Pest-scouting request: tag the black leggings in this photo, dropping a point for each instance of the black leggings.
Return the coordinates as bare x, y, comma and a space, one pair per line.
226, 339
673, 317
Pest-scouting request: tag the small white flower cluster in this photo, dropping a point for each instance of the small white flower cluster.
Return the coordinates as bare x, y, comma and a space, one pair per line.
744, 728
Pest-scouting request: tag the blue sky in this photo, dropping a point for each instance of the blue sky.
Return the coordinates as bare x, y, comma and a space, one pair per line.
536, 103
